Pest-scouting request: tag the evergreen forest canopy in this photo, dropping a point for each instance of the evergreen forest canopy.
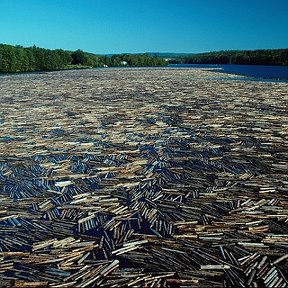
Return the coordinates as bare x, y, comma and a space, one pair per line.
247, 57
20, 59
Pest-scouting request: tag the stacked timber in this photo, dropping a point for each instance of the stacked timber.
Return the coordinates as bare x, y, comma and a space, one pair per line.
143, 178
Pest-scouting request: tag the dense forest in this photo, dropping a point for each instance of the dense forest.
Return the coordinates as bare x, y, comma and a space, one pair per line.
248, 57
20, 59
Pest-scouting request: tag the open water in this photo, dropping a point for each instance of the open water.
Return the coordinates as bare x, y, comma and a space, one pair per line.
253, 72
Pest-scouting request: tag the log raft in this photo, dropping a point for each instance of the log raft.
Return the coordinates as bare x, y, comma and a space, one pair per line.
147, 178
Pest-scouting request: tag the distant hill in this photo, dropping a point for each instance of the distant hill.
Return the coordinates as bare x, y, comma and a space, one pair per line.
243, 57
157, 54
170, 55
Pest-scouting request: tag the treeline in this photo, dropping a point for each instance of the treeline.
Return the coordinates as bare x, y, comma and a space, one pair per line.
247, 57
136, 60
133, 60
21, 59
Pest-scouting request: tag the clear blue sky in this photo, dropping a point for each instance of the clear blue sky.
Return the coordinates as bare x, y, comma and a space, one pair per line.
118, 26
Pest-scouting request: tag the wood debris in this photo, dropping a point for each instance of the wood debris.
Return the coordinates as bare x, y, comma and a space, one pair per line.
147, 178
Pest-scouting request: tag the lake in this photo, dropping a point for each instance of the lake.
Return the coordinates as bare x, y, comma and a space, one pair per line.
255, 72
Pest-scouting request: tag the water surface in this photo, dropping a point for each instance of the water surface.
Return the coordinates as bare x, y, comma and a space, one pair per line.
253, 72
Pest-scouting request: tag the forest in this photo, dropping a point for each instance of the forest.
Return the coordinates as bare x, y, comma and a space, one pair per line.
21, 59
28, 59
243, 57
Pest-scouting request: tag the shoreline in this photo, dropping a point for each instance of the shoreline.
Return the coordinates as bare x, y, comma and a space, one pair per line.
234, 74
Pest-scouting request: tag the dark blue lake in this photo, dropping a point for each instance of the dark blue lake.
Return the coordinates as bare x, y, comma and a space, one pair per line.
259, 72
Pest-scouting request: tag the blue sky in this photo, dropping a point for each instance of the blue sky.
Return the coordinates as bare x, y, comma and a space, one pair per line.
118, 26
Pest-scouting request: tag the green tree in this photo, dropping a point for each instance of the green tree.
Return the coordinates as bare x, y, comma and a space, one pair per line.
78, 57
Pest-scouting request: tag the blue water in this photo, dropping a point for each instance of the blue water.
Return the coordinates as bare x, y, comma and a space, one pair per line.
254, 72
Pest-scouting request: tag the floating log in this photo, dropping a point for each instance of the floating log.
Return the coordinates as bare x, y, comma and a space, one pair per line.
146, 178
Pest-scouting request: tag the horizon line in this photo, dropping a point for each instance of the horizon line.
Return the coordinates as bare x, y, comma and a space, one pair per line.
147, 52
